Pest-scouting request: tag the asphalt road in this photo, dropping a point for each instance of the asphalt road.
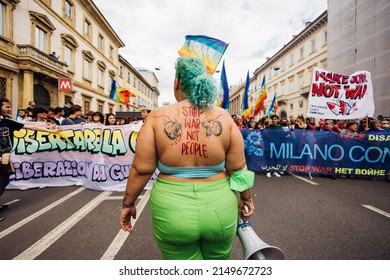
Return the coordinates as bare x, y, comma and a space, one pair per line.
309, 219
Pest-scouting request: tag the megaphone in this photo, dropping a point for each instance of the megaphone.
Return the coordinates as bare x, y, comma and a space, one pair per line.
254, 248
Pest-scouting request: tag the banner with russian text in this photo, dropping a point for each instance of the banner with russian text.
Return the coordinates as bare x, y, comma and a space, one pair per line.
317, 152
339, 96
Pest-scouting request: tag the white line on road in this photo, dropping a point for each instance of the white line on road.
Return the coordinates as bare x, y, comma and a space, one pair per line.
384, 213
121, 237
12, 201
46, 241
304, 179
37, 214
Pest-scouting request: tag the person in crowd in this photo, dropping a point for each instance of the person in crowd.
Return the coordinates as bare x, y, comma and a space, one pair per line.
7, 129
375, 127
332, 135
302, 124
272, 163
23, 116
252, 123
291, 125
351, 130
321, 125
31, 106
98, 117
110, 119
67, 108
260, 125
40, 114
239, 121
193, 204
75, 116
145, 113
89, 117
58, 114
363, 125
385, 124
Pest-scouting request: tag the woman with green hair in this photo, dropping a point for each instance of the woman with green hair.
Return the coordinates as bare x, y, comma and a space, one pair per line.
199, 152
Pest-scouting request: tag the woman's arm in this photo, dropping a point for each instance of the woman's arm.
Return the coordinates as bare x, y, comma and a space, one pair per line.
235, 160
143, 166
52, 129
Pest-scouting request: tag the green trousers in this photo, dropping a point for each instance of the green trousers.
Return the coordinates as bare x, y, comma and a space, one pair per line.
194, 221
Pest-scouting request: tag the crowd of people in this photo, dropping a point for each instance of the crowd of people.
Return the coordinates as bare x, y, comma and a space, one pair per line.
364, 125
72, 114
352, 128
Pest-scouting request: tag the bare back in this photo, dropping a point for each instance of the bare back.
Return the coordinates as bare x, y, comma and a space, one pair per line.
187, 136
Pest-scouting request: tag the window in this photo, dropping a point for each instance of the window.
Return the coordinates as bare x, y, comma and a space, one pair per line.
291, 59
134, 81
121, 71
100, 77
2, 19
87, 69
40, 39
101, 42
86, 106
300, 104
68, 9
100, 107
128, 77
301, 53
291, 106
87, 28
41, 30
111, 52
3, 87
301, 81
69, 47
325, 37
291, 85
68, 54
313, 45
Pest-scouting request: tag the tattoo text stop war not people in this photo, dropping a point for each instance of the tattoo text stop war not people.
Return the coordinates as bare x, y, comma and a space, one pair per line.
193, 125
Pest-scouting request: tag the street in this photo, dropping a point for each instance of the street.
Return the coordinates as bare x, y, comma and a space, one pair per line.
309, 219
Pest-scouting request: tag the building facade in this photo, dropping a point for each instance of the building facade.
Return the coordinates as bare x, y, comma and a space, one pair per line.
359, 39
42, 41
288, 72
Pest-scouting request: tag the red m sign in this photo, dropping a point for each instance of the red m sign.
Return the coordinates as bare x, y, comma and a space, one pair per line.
65, 84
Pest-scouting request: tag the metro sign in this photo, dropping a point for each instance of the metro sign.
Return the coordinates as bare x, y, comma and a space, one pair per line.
65, 84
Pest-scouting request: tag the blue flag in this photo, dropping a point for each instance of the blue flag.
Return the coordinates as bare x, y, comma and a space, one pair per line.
225, 87
245, 104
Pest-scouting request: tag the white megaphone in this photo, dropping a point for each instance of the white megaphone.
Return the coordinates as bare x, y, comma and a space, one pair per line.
254, 248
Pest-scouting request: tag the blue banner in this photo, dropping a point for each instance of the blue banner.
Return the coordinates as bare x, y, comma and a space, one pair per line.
317, 152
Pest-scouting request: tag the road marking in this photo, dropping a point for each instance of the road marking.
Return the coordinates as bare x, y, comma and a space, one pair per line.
122, 235
304, 179
46, 241
12, 201
384, 213
37, 214
115, 197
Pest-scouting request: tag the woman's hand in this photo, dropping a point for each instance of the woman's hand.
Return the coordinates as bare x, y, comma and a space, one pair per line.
250, 207
125, 218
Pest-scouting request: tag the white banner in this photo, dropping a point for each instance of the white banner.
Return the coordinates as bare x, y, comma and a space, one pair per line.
96, 156
338, 96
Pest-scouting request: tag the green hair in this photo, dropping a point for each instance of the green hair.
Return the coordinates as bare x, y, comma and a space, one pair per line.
196, 83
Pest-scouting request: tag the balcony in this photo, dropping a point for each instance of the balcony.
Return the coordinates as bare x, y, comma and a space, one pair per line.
33, 59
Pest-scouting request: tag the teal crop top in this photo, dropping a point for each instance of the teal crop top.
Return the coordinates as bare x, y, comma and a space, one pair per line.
191, 172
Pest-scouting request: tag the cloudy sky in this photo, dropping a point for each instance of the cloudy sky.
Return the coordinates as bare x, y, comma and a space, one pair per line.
154, 30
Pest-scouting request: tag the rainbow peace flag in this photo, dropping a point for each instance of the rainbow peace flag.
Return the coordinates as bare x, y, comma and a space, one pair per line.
120, 93
274, 106
209, 49
262, 97
245, 108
